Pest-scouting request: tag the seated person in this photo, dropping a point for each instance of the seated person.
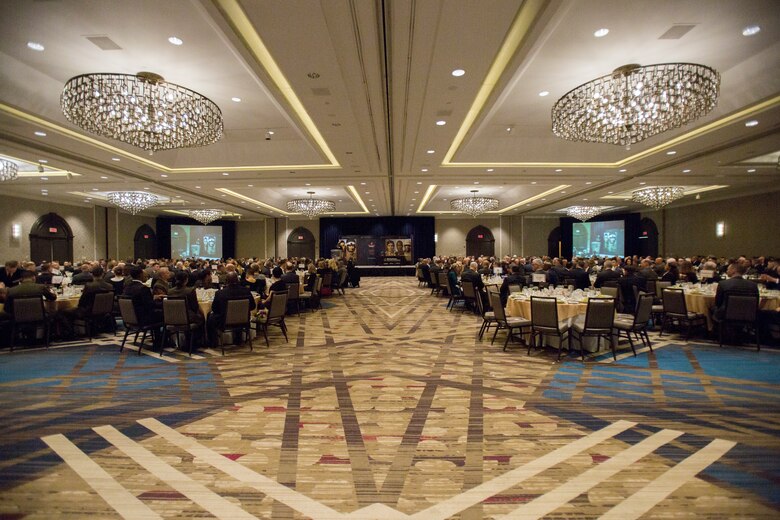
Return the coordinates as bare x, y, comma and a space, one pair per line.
181, 291
84, 275
161, 284
626, 285
515, 278
735, 284
84, 308
26, 288
141, 295
581, 278
687, 273
606, 275
232, 291
45, 276
10, 274
671, 274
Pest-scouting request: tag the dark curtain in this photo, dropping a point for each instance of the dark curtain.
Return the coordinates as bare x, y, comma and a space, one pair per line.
164, 234
419, 229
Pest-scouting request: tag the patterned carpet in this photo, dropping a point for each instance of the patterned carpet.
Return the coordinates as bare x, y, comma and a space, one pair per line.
386, 405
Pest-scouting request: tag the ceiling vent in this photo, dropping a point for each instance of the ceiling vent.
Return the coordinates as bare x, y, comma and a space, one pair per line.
104, 43
677, 31
321, 91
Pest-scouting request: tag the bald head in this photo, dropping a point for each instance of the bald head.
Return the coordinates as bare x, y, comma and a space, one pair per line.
231, 278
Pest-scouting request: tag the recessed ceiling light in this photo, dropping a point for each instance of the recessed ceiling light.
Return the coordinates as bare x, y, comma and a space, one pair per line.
424, 170
543, 93
544, 199
368, 193
370, 200
750, 30
94, 189
35, 46
197, 187
610, 192
103, 177
458, 72
235, 99
533, 182
116, 159
559, 170
642, 183
589, 182
622, 170
441, 122
431, 151
476, 182
751, 170
271, 132
601, 32
584, 199
175, 41
362, 183
563, 192
163, 175
40, 134
416, 192
308, 184
671, 152
750, 123
419, 183
43, 161
490, 169
44, 178
223, 195
686, 171
250, 185
225, 174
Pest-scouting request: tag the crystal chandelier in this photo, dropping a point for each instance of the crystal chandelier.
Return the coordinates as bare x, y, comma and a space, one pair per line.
658, 196
311, 207
206, 216
8, 170
132, 201
142, 110
474, 205
584, 213
635, 102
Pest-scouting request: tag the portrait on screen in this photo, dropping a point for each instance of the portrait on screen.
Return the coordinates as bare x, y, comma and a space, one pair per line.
389, 248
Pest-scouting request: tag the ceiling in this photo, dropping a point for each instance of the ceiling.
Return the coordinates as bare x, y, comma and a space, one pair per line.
342, 97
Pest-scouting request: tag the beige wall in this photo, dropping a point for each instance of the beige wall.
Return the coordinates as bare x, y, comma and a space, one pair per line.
513, 235
123, 226
254, 238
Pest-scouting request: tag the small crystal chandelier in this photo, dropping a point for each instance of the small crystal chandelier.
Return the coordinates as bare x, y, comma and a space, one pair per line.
311, 207
142, 110
635, 102
584, 213
8, 170
132, 201
474, 205
658, 196
206, 216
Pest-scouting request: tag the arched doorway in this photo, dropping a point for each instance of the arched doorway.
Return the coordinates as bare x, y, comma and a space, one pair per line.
480, 242
554, 242
300, 243
145, 242
51, 239
648, 238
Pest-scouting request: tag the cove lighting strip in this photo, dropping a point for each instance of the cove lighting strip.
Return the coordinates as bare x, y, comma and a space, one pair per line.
432, 188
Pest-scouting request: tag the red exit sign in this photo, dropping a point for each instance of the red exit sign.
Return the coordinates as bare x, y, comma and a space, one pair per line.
480, 236
300, 237
52, 230
146, 236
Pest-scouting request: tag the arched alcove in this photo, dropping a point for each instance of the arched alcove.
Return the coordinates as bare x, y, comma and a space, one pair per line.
300, 243
553, 242
145, 242
480, 241
51, 239
648, 238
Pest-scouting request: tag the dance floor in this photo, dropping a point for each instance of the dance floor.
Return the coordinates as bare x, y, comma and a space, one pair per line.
385, 405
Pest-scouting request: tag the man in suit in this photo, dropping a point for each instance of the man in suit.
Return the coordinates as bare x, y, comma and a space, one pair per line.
626, 285
470, 274
735, 284
646, 270
27, 288
606, 275
560, 271
141, 295
581, 278
289, 275
233, 290
84, 308
515, 277
425, 270
10, 274
84, 276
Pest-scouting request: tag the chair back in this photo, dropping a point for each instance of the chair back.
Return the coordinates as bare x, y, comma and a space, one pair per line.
278, 305
650, 286
468, 289
434, 276
660, 286
127, 310
443, 281
237, 313
317, 285
568, 282
175, 312
610, 291
544, 312
326, 278
674, 302
103, 304
515, 288
493, 289
743, 308
600, 314
28, 310
644, 308
293, 291
498, 309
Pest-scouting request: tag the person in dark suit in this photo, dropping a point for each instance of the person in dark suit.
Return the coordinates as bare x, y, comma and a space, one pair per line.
425, 270
45, 276
515, 278
84, 276
66, 317
581, 278
606, 275
289, 275
10, 274
181, 291
646, 270
232, 291
735, 284
672, 274
626, 284
141, 295
27, 288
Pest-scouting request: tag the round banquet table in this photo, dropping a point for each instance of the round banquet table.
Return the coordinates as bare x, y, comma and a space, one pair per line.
205, 305
56, 305
703, 303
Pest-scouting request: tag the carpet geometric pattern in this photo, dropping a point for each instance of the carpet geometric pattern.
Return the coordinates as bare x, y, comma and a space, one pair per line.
387, 405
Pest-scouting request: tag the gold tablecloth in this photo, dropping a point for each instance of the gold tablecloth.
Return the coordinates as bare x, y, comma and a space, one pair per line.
56, 305
522, 309
205, 305
704, 303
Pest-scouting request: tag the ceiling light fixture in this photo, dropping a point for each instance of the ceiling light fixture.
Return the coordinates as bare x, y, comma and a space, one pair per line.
751, 123
141, 110
474, 205
206, 216
311, 207
132, 201
8, 170
657, 196
40, 134
175, 41
635, 102
584, 213
544, 93
441, 122
601, 32
750, 30
458, 72
35, 46
235, 99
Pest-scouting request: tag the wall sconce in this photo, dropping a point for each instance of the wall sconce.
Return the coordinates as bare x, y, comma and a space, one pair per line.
720, 229
435, 237
16, 231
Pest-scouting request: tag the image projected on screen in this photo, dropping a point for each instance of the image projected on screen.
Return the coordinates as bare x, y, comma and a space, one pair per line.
598, 238
196, 241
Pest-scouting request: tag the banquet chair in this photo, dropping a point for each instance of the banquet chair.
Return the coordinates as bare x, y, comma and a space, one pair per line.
741, 311
675, 310
504, 322
569, 282
435, 287
29, 313
326, 281
102, 309
420, 279
488, 318
638, 322
544, 320
294, 296
470, 295
275, 316
610, 291
133, 324
177, 321
236, 320
444, 283
515, 288
658, 302
599, 321
341, 282
455, 296
312, 298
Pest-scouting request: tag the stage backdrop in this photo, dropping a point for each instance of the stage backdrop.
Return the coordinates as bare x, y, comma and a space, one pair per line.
418, 231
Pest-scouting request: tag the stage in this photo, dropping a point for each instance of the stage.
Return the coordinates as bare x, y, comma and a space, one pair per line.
386, 270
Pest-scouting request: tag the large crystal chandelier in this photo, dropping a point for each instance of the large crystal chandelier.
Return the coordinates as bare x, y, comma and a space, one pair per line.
584, 213
311, 207
206, 216
635, 102
8, 170
142, 110
132, 201
658, 196
474, 205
